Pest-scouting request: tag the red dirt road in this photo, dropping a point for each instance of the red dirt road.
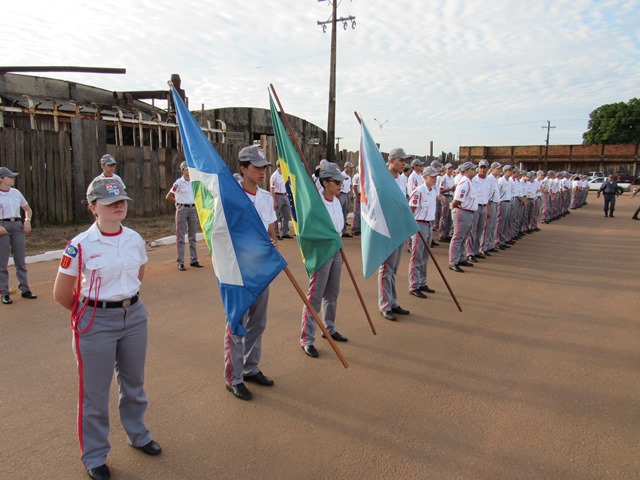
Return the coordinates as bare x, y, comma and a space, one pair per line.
538, 377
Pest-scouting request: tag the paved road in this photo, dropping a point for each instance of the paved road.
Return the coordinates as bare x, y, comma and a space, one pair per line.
538, 377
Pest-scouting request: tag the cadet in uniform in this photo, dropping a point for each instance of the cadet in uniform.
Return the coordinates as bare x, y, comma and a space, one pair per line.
463, 208
446, 188
345, 194
482, 188
489, 241
355, 185
242, 354
108, 166
324, 284
610, 189
504, 209
280, 203
186, 217
99, 280
12, 235
388, 271
422, 202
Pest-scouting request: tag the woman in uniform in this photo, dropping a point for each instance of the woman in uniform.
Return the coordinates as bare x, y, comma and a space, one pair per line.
98, 280
324, 285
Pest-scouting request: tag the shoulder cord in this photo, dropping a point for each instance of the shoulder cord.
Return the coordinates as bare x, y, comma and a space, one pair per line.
76, 315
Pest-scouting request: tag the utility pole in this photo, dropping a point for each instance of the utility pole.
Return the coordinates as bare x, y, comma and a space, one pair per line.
546, 150
331, 122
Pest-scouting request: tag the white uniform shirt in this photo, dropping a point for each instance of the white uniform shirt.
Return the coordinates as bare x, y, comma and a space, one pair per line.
114, 176
355, 183
505, 189
494, 188
346, 183
445, 183
457, 178
423, 199
263, 203
335, 212
402, 181
183, 191
465, 194
113, 259
415, 180
10, 203
537, 187
277, 182
482, 187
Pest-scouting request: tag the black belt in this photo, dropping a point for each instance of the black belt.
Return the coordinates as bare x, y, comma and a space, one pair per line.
186, 204
424, 221
505, 201
121, 304
482, 204
280, 193
447, 195
12, 219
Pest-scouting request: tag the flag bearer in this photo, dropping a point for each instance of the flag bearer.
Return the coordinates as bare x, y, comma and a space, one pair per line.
242, 354
324, 284
99, 280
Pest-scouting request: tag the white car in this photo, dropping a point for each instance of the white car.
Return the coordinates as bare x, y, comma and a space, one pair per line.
596, 183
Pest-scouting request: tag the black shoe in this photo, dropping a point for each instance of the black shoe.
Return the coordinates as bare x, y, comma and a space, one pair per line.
99, 473
464, 263
389, 316
481, 255
29, 294
456, 268
240, 391
417, 293
434, 244
427, 289
6, 299
611, 216
278, 237
356, 234
195, 264
472, 259
635, 218
287, 236
445, 240
495, 250
536, 229
259, 378
181, 267
339, 338
311, 351
400, 311
152, 448
347, 235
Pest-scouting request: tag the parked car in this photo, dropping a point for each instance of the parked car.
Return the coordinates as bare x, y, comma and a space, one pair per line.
596, 174
596, 183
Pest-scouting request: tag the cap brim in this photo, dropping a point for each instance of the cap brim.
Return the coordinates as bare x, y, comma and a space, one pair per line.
112, 199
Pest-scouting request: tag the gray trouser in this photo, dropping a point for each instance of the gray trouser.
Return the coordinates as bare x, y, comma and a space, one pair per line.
489, 240
13, 241
387, 273
355, 226
462, 221
477, 231
283, 214
547, 207
344, 203
445, 219
186, 222
324, 288
504, 218
419, 257
117, 339
242, 354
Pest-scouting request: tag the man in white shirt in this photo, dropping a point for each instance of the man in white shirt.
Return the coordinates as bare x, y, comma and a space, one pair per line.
181, 194
415, 179
489, 241
463, 208
280, 202
108, 166
446, 188
345, 193
482, 187
504, 209
355, 186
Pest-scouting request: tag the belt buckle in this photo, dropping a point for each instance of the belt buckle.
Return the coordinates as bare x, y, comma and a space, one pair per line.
126, 303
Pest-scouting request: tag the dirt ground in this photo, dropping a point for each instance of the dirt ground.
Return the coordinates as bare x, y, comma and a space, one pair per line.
537, 378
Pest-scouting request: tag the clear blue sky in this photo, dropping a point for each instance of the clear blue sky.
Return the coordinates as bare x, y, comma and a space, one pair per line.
455, 72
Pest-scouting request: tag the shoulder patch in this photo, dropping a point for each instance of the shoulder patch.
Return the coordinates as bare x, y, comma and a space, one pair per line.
65, 262
71, 251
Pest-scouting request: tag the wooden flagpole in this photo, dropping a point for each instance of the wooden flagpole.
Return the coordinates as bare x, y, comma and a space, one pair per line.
429, 251
289, 128
315, 317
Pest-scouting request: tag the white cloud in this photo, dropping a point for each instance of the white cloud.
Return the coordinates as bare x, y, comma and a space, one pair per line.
452, 71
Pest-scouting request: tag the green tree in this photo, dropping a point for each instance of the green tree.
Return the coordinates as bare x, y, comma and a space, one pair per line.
614, 123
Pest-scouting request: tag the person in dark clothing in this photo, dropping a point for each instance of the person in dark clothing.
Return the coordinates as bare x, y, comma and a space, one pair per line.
610, 189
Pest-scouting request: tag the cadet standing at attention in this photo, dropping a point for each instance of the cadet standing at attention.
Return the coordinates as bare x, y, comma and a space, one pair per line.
186, 217
99, 280
280, 202
463, 208
242, 354
324, 284
12, 235
108, 166
388, 271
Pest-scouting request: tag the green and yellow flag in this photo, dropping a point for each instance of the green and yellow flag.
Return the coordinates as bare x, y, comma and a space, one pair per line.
315, 233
